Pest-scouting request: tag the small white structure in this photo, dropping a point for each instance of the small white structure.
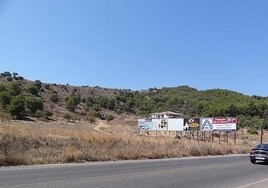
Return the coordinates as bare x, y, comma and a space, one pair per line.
167, 114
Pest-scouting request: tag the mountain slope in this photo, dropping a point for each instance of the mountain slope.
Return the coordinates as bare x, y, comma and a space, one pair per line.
22, 98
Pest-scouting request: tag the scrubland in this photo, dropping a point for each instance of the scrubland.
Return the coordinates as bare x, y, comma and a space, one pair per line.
27, 143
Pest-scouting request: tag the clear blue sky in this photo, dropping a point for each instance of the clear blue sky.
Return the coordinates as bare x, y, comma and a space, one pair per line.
138, 44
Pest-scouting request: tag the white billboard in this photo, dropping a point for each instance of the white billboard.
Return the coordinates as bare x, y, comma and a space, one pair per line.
160, 124
175, 124
206, 124
224, 124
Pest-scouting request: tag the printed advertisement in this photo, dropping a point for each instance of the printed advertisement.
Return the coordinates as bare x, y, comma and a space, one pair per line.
206, 124
145, 125
191, 124
224, 124
160, 124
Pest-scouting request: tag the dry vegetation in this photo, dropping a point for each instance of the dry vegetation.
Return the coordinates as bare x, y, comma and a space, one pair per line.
46, 137
25, 143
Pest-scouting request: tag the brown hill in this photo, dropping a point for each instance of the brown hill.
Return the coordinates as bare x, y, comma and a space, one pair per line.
92, 102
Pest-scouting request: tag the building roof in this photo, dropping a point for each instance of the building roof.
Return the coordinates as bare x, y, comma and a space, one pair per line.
166, 113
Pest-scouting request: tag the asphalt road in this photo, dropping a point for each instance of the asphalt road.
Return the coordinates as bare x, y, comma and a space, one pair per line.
224, 171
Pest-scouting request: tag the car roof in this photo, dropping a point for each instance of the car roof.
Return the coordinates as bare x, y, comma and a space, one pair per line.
262, 146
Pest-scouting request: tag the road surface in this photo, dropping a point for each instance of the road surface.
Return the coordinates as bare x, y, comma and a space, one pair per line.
208, 172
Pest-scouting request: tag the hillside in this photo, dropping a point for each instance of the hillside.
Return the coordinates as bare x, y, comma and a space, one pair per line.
21, 99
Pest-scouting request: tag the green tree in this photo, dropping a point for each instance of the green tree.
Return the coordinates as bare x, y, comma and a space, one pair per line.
90, 101
6, 74
45, 114
232, 110
111, 104
34, 104
2, 87
33, 90
102, 101
15, 88
17, 107
72, 102
5, 98
15, 74
38, 84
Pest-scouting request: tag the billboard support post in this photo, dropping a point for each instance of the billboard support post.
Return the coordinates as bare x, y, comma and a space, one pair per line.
262, 132
211, 136
235, 138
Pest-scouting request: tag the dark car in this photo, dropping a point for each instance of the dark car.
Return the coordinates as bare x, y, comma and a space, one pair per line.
259, 153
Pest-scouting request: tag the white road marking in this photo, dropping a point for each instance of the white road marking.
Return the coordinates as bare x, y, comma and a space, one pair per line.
255, 184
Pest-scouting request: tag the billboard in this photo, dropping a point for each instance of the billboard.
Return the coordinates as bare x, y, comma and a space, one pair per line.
160, 124
191, 124
175, 124
224, 123
206, 124
144, 124
186, 124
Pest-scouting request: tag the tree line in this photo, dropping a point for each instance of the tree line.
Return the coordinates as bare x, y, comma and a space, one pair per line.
19, 100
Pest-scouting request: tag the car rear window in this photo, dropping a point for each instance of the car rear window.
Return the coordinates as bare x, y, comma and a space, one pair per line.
265, 146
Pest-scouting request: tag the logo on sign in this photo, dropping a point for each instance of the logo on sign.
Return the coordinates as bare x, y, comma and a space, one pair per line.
206, 125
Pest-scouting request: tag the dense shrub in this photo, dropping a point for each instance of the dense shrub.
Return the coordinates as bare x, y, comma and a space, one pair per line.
54, 98
44, 114
109, 117
72, 102
67, 116
6, 74
33, 90
38, 84
89, 101
84, 100
5, 98
252, 131
33, 104
265, 123
4, 115
15, 88
16, 107
2, 87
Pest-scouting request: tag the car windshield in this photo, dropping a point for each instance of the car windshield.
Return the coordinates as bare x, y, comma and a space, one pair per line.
265, 146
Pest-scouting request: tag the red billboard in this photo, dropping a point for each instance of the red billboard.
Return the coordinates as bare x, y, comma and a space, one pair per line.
224, 123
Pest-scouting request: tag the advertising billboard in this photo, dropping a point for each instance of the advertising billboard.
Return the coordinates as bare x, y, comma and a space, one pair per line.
206, 124
175, 124
144, 124
160, 124
224, 123
191, 124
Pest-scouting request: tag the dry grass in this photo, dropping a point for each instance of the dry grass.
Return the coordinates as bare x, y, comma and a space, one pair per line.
41, 143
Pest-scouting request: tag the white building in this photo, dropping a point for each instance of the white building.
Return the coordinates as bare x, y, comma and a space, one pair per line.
167, 114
